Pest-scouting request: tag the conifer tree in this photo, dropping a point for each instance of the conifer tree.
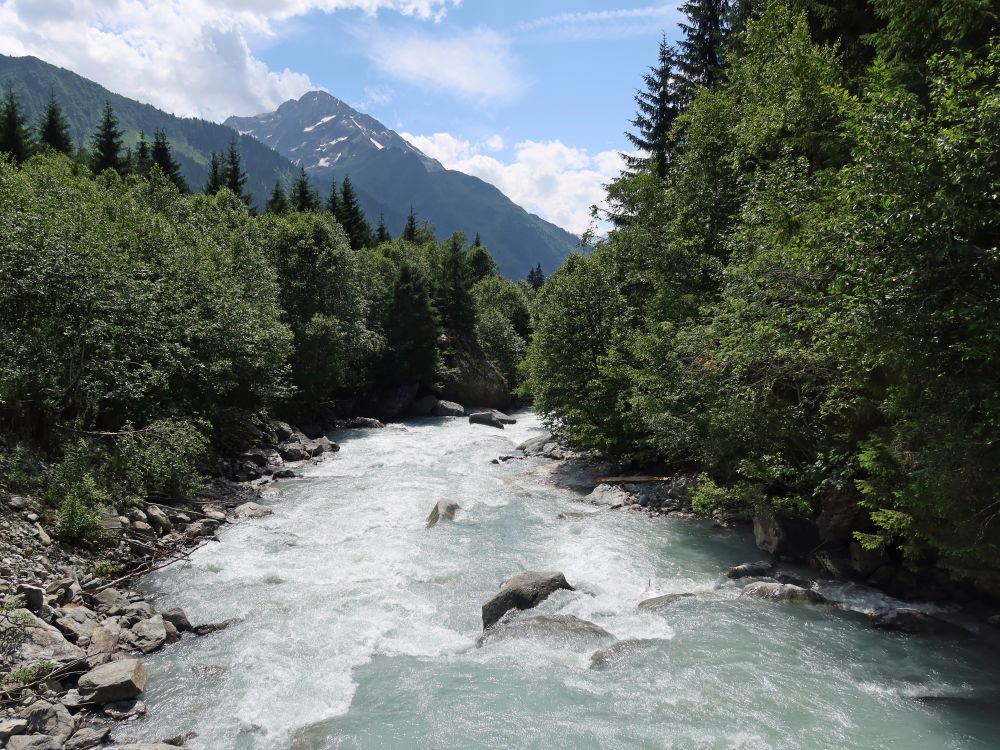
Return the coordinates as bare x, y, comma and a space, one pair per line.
477, 242
352, 218
658, 106
333, 202
233, 175
53, 130
14, 138
216, 175
304, 197
410, 230
536, 277
701, 50
454, 290
411, 331
107, 144
480, 263
382, 232
165, 160
143, 158
278, 202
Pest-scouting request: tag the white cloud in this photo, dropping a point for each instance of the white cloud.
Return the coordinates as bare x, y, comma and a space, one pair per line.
549, 178
190, 57
475, 65
603, 24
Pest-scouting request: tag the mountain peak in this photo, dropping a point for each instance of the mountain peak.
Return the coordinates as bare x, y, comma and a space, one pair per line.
318, 131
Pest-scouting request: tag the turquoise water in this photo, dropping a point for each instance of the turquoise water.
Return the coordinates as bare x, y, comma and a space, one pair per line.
359, 626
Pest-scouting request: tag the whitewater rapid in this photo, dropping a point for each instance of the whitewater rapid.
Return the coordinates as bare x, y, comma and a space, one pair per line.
359, 626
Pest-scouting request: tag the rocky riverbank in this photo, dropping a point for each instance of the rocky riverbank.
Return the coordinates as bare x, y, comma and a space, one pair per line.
73, 628
801, 557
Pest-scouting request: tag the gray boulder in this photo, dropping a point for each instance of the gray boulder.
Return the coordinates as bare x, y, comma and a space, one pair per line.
103, 643
52, 719
34, 596
158, 519
485, 418
282, 430
915, 622
284, 474
780, 592
562, 630
79, 624
424, 406
501, 417
41, 641
149, 635
11, 727
252, 510
448, 409
293, 451
33, 742
151, 746
620, 652
785, 536
523, 591
362, 423
114, 681
610, 495
443, 511
88, 737
657, 603
176, 617
750, 569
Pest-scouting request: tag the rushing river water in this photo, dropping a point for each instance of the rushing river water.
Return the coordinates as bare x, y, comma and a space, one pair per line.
359, 626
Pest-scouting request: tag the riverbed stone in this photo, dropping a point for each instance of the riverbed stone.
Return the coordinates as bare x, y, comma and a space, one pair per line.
423, 406
749, 570
87, 738
114, 681
444, 510
252, 510
609, 495
150, 635
448, 409
34, 596
523, 591
51, 719
103, 643
78, 624
151, 746
622, 651
915, 622
564, 629
485, 418
781, 592
33, 742
176, 617
158, 519
499, 415
11, 727
42, 642
657, 603
290, 451
111, 601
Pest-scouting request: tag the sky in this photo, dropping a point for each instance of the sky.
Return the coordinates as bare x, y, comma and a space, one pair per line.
533, 96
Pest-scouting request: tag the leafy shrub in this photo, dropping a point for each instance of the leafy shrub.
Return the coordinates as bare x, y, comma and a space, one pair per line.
163, 458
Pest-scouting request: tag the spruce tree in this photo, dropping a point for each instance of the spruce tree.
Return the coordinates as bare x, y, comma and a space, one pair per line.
382, 232
352, 218
14, 138
410, 230
411, 332
216, 175
278, 202
303, 197
143, 158
536, 277
477, 242
454, 290
233, 175
658, 106
107, 144
333, 202
480, 263
701, 50
53, 130
165, 161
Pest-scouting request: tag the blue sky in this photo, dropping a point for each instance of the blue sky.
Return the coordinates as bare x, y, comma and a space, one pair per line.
531, 96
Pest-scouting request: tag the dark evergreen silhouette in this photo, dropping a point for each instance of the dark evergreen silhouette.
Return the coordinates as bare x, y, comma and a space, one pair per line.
333, 201
106, 144
14, 138
232, 172
480, 262
411, 331
53, 130
536, 277
454, 299
352, 218
278, 202
701, 48
410, 230
304, 197
382, 232
216, 175
657, 106
143, 158
162, 158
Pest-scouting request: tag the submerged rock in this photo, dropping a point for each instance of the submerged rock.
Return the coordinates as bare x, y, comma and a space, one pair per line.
567, 629
659, 602
915, 622
621, 651
443, 511
781, 592
750, 569
523, 591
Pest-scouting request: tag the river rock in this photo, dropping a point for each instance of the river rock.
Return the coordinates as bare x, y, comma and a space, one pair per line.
443, 511
781, 592
293, 451
158, 519
659, 602
485, 418
610, 495
12, 727
111, 601
149, 635
501, 417
284, 474
252, 510
114, 681
564, 629
33, 742
749, 569
122, 710
362, 423
79, 624
621, 651
785, 536
207, 628
282, 430
448, 409
151, 746
523, 591
51, 719
915, 622
42, 642
87, 738
176, 617
103, 643
34, 596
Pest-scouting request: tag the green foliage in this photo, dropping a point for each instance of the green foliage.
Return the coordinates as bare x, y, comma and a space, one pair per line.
503, 324
73, 486
352, 218
164, 458
106, 144
106, 569
30, 674
16, 472
14, 138
53, 130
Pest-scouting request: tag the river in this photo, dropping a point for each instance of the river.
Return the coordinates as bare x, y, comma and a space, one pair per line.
359, 625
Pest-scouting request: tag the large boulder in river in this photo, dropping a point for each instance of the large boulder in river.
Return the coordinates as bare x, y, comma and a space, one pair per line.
252, 510
559, 630
523, 591
149, 635
749, 570
781, 592
500, 416
785, 535
443, 511
449, 409
485, 418
114, 681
